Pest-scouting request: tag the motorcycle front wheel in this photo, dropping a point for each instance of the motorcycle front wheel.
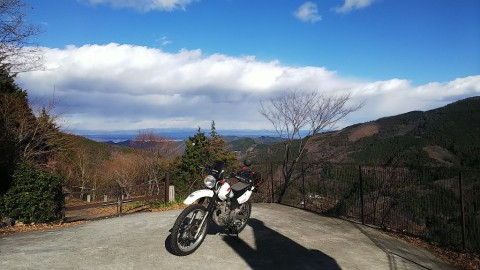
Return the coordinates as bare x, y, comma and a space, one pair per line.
186, 227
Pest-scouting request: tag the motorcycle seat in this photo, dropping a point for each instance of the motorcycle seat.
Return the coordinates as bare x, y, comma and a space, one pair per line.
239, 188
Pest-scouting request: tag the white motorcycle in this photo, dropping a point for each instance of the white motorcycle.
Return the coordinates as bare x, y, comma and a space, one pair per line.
227, 206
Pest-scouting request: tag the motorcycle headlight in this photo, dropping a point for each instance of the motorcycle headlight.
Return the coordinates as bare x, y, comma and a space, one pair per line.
209, 181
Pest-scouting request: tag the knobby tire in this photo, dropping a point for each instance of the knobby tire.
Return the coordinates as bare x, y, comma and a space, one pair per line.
179, 227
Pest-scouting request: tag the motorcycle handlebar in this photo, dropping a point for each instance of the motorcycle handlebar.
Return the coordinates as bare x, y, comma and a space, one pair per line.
241, 179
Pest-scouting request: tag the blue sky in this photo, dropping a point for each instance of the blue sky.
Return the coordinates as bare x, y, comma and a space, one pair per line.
190, 53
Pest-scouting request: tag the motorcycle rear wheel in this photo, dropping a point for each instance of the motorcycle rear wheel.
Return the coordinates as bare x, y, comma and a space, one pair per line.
183, 241
243, 216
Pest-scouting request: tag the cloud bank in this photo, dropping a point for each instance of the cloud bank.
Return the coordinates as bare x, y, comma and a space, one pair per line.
125, 87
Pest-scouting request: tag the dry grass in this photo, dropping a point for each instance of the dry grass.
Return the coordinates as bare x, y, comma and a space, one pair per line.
440, 154
363, 131
19, 228
37, 227
461, 260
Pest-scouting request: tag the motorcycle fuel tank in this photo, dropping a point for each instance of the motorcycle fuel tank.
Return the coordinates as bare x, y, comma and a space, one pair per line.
225, 192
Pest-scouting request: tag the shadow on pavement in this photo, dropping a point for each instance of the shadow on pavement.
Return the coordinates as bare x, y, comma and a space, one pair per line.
275, 251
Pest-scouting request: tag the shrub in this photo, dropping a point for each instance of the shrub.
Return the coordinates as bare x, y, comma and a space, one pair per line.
35, 195
161, 204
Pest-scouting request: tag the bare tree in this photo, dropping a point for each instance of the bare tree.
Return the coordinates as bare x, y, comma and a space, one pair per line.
160, 146
158, 153
297, 116
37, 137
127, 170
17, 53
81, 161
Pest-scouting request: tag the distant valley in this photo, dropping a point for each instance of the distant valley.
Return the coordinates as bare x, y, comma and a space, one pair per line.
447, 136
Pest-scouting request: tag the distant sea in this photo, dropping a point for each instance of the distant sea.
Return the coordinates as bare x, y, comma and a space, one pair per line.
172, 134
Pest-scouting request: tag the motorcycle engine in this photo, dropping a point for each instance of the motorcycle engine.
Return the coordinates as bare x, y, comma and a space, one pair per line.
221, 215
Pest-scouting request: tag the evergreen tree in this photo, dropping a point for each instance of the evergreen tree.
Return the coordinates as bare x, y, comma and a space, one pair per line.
190, 166
24, 138
35, 195
200, 153
7, 83
218, 149
13, 104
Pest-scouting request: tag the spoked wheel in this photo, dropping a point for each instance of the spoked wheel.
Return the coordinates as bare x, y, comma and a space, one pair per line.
242, 217
187, 235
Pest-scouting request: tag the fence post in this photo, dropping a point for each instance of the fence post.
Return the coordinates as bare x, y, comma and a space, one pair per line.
361, 194
303, 187
120, 203
462, 208
171, 193
167, 187
271, 178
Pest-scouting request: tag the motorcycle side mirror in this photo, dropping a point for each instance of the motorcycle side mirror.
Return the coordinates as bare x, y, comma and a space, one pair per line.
247, 163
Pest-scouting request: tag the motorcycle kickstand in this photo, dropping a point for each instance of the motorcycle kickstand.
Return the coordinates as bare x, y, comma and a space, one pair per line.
233, 231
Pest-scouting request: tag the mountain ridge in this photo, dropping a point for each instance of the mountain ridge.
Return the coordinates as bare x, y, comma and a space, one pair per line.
445, 136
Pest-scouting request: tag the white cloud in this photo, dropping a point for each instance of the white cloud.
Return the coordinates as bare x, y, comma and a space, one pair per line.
308, 12
124, 87
350, 5
164, 41
146, 5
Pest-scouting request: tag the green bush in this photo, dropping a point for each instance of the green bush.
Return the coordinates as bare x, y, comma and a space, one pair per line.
161, 204
35, 196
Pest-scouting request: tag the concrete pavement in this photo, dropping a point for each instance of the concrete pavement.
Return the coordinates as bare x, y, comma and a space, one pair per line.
278, 237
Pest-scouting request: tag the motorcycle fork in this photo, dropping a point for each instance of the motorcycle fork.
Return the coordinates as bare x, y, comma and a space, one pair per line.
211, 203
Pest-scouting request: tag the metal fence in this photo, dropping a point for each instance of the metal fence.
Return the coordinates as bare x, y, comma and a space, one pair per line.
437, 204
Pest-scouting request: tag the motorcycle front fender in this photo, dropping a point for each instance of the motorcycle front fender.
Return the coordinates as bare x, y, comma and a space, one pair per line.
197, 195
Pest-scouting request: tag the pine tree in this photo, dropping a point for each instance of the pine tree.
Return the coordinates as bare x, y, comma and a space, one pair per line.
218, 150
200, 153
190, 166
13, 105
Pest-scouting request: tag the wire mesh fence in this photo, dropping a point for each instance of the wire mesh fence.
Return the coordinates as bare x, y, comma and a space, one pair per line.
438, 204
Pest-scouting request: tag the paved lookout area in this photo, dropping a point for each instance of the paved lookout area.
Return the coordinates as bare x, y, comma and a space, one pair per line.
278, 237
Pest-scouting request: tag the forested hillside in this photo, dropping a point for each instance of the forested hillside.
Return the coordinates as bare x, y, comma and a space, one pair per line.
447, 136
92, 165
